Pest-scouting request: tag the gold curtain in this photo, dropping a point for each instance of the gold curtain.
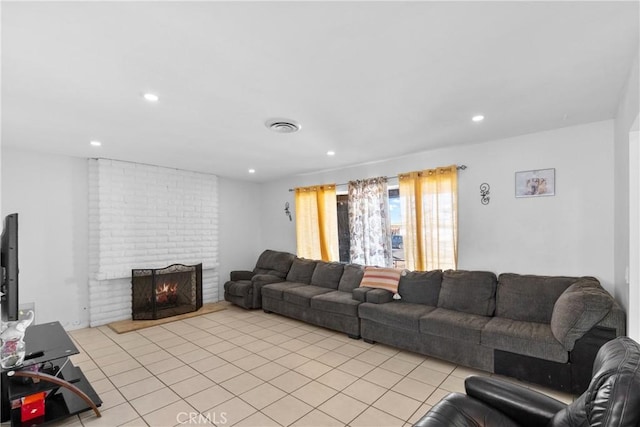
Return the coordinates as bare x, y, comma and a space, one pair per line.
429, 203
317, 222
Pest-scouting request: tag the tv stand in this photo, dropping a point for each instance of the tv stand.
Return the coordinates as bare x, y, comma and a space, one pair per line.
68, 390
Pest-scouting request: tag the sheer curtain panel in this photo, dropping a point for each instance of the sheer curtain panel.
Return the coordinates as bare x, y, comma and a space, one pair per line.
369, 222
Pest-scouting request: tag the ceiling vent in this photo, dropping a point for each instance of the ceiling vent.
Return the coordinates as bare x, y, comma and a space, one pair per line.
283, 125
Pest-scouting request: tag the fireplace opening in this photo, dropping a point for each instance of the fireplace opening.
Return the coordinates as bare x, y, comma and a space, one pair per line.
166, 292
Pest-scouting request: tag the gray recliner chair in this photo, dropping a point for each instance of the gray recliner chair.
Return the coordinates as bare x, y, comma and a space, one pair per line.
612, 399
244, 288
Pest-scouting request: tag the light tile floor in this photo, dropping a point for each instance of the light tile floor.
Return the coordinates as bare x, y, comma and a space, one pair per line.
249, 368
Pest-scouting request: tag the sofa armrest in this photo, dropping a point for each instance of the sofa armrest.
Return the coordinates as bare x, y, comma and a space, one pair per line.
615, 319
373, 295
527, 407
379, 296
459, 410
360, 294
265, 279
579, 308
241, 275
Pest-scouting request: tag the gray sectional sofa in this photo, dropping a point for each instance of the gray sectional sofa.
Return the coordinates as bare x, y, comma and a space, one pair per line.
318, 292
244, 288
543, 329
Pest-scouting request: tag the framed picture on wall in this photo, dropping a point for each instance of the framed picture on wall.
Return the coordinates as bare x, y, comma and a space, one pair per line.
536, 183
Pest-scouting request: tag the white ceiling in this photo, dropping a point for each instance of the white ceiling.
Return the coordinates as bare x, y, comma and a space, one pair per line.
370, 80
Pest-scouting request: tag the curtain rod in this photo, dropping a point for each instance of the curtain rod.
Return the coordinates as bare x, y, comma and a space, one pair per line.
461, 167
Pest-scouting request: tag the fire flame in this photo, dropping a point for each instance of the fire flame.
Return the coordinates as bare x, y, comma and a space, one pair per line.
166, 292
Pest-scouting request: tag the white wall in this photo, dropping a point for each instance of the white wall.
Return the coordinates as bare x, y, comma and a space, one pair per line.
569, 234
277, 231
626, 114
49, 193
633, 313
566, 234
239, 227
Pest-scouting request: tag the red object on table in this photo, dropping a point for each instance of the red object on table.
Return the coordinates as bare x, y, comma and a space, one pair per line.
32, 406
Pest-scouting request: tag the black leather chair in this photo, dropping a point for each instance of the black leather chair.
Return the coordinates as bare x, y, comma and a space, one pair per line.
612, 399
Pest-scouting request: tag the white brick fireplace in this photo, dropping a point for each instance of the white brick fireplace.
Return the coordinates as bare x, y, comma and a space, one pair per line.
143, 216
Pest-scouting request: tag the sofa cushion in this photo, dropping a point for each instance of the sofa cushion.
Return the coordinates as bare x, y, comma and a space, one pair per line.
301, 270
351, 277
239, 288
327, 274
274, 263
378, 296
529, 298
471, 292
579, 309
420, 287
454, 324
275, 290
301, 295
527, 338
336, 302
397, 314
381, 278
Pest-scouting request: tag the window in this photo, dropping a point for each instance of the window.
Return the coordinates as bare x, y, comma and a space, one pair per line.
397, 231
344, 243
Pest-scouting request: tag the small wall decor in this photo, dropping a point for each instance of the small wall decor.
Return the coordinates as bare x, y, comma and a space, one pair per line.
484, 193
287, 212
536, 183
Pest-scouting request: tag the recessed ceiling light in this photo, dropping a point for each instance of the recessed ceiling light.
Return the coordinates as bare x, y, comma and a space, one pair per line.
478, 118
331, 153
151, 97
283, 125
96, 143
252, 171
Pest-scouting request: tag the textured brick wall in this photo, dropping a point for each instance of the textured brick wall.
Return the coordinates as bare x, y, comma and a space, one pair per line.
143, 216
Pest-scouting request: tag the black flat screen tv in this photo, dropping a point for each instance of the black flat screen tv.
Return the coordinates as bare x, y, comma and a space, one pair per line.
9, 259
